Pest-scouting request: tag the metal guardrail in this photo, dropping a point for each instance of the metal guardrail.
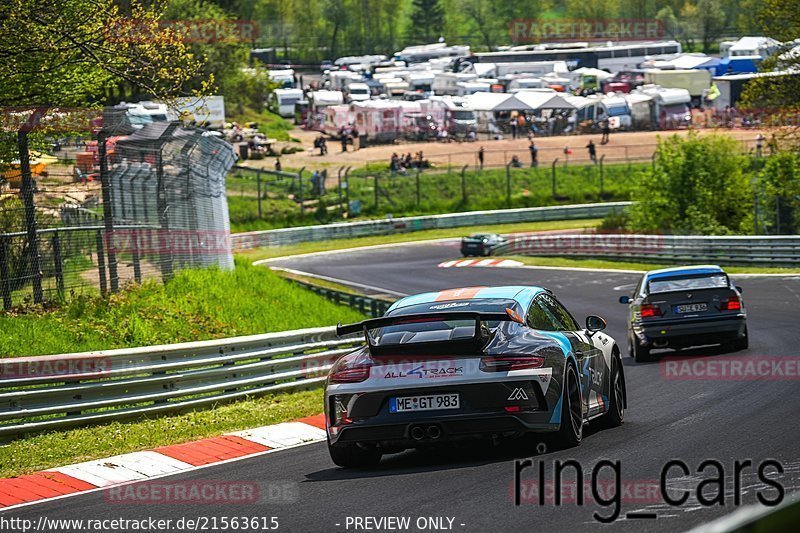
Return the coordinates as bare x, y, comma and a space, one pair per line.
366, 305
280, 237
758, 250
51, 392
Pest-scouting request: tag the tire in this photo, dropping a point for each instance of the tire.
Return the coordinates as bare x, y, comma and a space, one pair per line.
570, 433
353, 456
742, 343
641, 354
616, 409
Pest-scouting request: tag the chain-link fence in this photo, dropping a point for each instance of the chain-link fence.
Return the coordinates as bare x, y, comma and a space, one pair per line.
133, 204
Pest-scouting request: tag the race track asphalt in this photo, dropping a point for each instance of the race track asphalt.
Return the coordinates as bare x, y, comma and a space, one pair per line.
689, 420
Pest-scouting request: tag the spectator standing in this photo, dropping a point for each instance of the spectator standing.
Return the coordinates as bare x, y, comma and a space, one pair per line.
534, 155
759, 144
480, 157
606, 132
592, 151
514, 127
278, 166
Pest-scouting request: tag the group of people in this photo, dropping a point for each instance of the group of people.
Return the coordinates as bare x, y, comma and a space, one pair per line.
347, 135
401, 163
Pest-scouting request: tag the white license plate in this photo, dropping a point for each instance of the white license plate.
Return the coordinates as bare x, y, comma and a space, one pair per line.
424, 403
691, 308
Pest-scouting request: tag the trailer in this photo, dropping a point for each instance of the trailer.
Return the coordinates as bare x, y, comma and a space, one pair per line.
282, 101
697, 82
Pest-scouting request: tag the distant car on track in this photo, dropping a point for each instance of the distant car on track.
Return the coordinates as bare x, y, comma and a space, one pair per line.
682, 307
481, 244
471, 363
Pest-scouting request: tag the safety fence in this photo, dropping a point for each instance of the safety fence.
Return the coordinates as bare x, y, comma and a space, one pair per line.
762, 250
388, 226
60, 391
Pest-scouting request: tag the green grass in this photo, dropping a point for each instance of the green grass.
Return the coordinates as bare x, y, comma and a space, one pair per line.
627, 265
195, 305
48, 450
339, 244
440, 192
272, 125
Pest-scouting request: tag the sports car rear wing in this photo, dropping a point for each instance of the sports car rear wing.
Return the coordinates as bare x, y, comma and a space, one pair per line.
475, 342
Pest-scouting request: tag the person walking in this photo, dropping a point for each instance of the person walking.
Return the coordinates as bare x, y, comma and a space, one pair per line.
759, 144
592, 151
480, 157
278, 166
534, 155
606, 132
514, 127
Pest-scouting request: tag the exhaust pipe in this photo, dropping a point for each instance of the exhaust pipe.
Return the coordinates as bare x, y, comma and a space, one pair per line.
660, 343
417, 433
434, 432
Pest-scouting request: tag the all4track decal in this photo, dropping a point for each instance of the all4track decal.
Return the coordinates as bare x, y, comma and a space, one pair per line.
480, 263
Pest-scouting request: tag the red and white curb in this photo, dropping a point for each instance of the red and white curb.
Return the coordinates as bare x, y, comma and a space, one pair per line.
458, 263
166, 460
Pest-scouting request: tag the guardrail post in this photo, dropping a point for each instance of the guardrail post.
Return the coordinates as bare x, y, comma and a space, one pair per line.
554, 176
258, 185
419, 170
137, 266
101, 262
464, 184
57, 265
347, 191
508, 184
339, 186
108, 217
300, 189
601, 175
5, 282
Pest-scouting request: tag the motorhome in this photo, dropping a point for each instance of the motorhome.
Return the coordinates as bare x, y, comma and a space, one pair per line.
282, 101
358, 92
521, 84
762, 47
670, 108
421, 82
284, 77
599, 108
447, 82
426, 52
338, 80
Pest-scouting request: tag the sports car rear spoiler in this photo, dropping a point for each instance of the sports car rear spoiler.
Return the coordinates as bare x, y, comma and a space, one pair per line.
477, 341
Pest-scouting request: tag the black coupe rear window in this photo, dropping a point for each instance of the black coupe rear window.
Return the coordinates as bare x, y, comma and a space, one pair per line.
692, 283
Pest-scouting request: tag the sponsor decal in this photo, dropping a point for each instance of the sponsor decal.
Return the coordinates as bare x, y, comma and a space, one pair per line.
448, 306
423, 371
518, 394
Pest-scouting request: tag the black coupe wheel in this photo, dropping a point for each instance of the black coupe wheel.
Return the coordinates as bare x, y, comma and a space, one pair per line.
640, 354
571, 431
616, 409
353, 456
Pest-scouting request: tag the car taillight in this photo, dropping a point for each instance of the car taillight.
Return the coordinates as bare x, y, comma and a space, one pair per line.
734, 303
650, 310
352, 368
506, 363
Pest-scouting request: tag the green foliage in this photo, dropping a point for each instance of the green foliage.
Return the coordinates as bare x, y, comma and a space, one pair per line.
195, 305
427, 21
698, 186
778, 186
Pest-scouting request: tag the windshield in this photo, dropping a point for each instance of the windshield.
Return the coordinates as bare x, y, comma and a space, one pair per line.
289, 100
359, 91
693, 283
463, 115
617, 110
675, 109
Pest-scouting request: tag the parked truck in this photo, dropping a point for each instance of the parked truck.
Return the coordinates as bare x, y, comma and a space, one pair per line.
696, 81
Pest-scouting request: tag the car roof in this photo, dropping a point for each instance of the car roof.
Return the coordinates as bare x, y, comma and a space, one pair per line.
522, 294
690, 270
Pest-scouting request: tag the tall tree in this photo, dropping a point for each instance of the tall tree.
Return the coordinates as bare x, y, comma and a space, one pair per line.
427, 21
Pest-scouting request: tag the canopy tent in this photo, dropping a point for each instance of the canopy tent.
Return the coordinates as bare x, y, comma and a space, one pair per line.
496, 102
537, 100
589, 71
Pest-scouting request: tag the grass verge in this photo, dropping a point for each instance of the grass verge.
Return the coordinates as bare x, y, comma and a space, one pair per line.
627, 265
195, 305
339, 244
48, 450
270, 124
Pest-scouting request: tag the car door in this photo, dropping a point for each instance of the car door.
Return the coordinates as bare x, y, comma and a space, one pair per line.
547, 314
593, 368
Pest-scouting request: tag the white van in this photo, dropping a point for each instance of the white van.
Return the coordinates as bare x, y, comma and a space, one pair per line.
358, 92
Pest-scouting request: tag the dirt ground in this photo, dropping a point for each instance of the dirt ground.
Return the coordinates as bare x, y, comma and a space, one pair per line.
622, 147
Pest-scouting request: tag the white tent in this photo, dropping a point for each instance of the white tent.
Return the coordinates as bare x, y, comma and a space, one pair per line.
536, 100
495, 102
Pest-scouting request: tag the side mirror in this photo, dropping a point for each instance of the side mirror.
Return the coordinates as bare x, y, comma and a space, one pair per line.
739, 289
624, 299
595, 323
